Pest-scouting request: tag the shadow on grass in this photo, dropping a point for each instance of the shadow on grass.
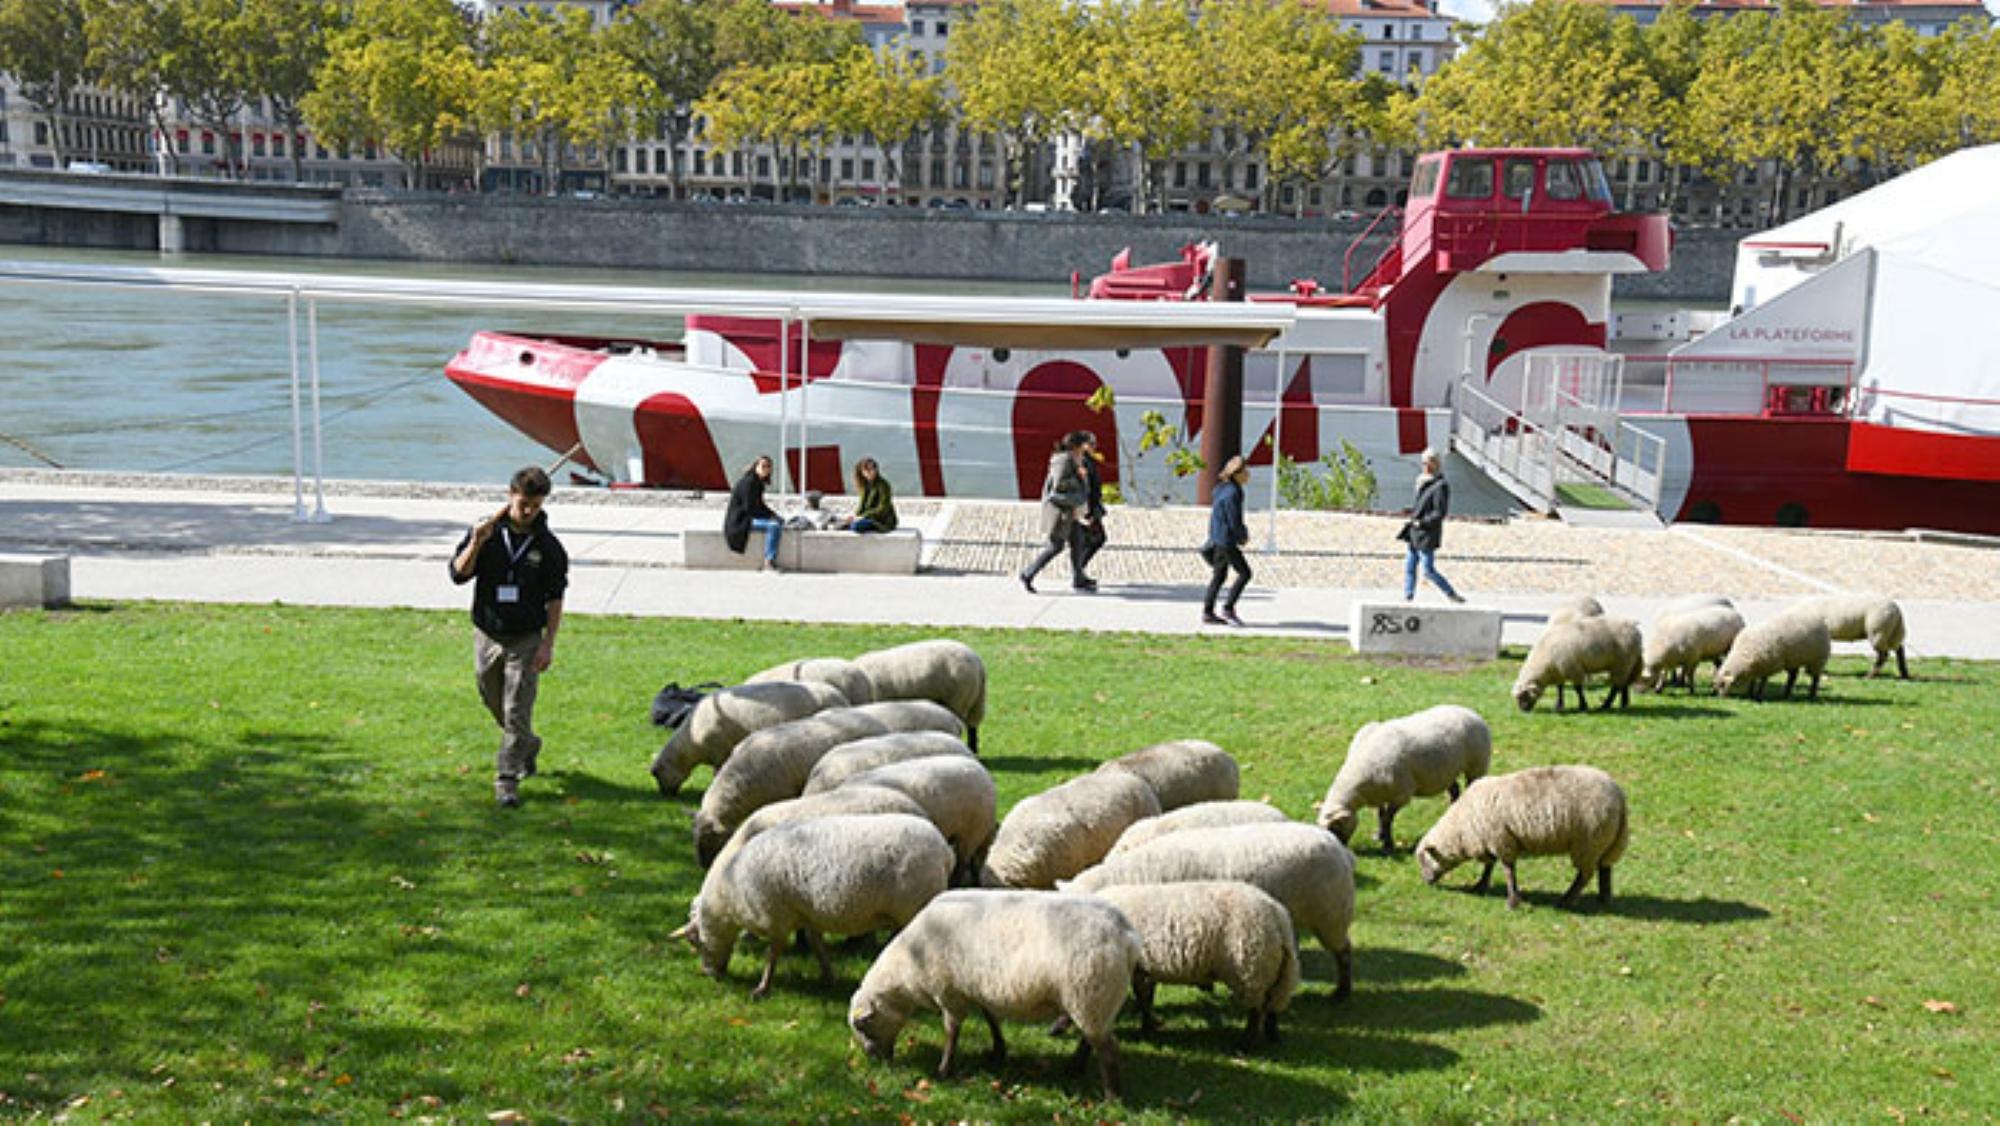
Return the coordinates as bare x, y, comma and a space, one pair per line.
1653, 908
588, 787
1036, 763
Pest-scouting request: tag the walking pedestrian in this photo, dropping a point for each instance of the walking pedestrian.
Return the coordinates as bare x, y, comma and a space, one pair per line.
747, 512
1062, 498
521, 572
1227, 533
875, 510
1424, 532
1086, 537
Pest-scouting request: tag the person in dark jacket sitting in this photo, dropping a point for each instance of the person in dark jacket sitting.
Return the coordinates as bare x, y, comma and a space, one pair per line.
1425, 531
747, 512
876, 510
1227, 533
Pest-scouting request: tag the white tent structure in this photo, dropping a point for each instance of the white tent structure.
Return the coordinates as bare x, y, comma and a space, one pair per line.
1899, 286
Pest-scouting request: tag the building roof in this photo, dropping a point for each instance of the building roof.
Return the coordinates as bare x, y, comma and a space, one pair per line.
1965, 7
1380, 9
847, 10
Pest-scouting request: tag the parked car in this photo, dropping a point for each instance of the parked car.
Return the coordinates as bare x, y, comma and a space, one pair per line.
89, 167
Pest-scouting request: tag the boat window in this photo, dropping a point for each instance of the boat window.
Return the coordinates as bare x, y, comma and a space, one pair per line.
1565, 182
1595, 183
1469, 178
1517, 178
1425, 181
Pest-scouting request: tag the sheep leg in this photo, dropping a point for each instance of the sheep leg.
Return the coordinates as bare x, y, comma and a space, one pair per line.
1270, 1025
1604, 884
972, 741
999, 1053
818, 944
1791, 678
1814, 694
1513, 887
1881, 658
1560, 689
1253, 1029
1452, 789
1344, 959
775, 951
1902, 666
1144, 988
1384, 818
1575, 887
952, 1023
1109, 1069
1485, 877
1582, 701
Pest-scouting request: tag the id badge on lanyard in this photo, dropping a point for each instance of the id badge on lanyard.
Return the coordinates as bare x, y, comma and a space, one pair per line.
510, 591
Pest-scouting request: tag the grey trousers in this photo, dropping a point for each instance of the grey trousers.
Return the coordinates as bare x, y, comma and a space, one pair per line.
507, 683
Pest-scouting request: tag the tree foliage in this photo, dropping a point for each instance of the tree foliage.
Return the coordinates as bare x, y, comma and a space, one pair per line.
402, 72
1018, 72
44, 46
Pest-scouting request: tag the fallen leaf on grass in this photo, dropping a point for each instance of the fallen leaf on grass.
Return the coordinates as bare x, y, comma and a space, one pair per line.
1941, 1006
91, 776
522, 990
505, 1116
343, 1080
1873, 1001
402, 883
575, 1056
1790, 1117
1943, 1073
1871, 819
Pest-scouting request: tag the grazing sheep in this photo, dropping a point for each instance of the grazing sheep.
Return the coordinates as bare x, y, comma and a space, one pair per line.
769, 766
847, 875
1569, 653
1200, 815
1582, 606
1182, 772
1061, 831
1415, 756
1014, 954
724, 718
915, 715
1574, 811
1679, 643
1212, 931
948, 672
852, 800
837, 671
1695, 602
844, 762
1788, 643
1869, 617
1300, 866
957, 794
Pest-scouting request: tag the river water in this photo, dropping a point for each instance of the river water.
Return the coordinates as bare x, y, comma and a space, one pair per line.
136, 381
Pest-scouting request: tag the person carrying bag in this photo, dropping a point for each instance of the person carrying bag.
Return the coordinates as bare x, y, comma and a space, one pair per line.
1063, 494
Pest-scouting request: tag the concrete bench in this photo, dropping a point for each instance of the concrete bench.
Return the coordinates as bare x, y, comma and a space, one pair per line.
34, 580
1415, 629
875, 553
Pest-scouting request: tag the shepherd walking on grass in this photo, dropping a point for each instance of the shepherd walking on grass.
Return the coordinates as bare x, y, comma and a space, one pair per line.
521, 571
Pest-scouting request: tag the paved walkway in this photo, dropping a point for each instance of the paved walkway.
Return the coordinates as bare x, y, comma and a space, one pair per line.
210, 539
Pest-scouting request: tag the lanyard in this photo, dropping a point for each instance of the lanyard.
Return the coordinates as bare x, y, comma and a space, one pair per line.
514, 554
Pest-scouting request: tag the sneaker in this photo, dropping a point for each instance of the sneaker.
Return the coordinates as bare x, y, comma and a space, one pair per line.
1027, 583
770, 566
1456, 597
1230, 617
507, 792
1085, 585
1209, 619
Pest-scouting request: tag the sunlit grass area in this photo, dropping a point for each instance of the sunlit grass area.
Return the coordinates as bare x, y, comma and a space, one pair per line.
251, 868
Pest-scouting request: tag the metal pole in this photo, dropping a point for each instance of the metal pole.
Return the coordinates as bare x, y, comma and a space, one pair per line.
1277, 448
1222, 397
805, 415
319, 513
298, 422
783, 472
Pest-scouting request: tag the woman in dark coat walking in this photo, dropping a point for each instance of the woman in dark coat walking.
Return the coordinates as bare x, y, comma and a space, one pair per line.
1227, 533
1425, 531
1063, 497
747, 512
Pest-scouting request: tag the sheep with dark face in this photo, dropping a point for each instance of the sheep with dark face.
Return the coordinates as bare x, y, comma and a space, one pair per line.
1571, 652
1790, 643
1018, 955
724, 719
1573, 811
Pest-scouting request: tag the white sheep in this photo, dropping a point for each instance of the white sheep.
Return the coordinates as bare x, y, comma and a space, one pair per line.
1200, 815
1414, 756
1695, 602
854, 800
1182, 772
837, 671
1582, 606
1865, 617
724, 718
1212, 932
1021, 955
772, 765
1788, 643
1679, 642
957, 794
915, 715
844, 762
1061, 831
1300, 866
1568, 653
845, 875
945, 671
1573, 811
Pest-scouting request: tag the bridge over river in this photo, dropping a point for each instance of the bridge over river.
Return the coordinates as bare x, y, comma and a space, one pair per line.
111, 210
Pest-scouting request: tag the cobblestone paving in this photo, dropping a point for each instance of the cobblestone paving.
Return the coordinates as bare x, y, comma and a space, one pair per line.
1525, 555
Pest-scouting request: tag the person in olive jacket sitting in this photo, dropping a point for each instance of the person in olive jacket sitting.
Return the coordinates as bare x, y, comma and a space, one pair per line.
747, 512
876, 511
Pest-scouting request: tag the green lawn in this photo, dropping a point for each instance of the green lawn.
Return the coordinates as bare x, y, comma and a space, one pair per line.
1578, 494
250, 868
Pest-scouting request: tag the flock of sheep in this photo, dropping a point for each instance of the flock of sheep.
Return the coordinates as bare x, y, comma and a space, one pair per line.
845, 801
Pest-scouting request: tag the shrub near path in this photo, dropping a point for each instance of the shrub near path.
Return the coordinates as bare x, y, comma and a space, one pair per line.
250, 867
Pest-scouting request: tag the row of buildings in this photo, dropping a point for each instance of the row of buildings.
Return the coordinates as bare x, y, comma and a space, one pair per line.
1404, 39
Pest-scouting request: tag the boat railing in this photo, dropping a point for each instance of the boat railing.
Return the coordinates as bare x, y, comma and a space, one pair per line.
1347, 260
1760, 386
1608, 450
1508, 446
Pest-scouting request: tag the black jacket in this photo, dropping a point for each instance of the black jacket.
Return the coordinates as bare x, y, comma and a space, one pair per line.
1428, 513
746, 503
535, 564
